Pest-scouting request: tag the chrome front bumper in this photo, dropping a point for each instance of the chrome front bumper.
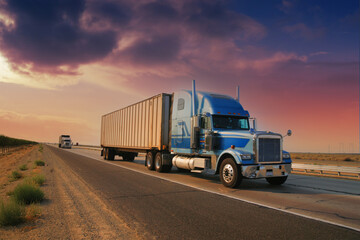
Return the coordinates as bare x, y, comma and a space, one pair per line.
264, 171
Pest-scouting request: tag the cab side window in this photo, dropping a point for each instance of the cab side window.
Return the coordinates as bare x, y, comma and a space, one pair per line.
181, 104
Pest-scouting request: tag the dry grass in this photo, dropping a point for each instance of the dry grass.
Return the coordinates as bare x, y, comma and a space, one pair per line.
23, 167
326, 156
14, 166
11, 162
15, 175
11, 213
28, 193
38, 180
33, 211
39, 163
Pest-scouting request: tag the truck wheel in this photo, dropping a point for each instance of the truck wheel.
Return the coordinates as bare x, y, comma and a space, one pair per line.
158, 162
276, 180
150, 161
230, 174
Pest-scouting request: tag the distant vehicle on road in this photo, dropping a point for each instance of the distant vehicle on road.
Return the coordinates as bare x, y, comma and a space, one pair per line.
197, 131
65, 141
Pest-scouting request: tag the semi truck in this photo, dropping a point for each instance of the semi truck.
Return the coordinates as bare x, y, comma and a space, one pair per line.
65, 141
197, 131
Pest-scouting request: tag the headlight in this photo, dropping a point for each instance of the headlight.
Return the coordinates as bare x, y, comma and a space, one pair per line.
286, 155
246, 156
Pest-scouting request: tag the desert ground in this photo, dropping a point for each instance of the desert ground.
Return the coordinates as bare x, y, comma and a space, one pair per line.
331, 159
70, 210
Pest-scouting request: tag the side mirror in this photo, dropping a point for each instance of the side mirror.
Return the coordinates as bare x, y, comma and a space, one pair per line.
289, 132
254, 124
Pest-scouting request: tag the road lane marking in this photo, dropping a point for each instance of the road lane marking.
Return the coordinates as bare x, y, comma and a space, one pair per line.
220, 194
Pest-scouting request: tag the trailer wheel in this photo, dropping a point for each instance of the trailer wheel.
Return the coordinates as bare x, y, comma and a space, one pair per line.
276, 180
150, 161
230, 174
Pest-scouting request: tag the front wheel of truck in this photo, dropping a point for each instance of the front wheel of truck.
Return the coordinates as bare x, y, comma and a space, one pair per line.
230, 173
276, 180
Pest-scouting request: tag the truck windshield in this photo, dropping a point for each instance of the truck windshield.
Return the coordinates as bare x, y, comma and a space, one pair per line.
231, 122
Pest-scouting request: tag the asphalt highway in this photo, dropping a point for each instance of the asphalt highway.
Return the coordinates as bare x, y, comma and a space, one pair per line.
164, 209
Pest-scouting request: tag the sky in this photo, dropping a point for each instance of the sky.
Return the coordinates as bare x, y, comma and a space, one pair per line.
65, 63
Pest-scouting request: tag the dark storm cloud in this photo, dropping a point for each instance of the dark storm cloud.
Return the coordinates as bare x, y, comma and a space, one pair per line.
212, 19
48, 33
118, 13
158, 49
158, 11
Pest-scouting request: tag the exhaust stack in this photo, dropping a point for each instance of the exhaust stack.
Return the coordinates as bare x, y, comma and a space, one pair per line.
193, 98
238, 93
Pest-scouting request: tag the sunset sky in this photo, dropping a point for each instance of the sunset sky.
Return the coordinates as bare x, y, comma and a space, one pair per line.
64, 63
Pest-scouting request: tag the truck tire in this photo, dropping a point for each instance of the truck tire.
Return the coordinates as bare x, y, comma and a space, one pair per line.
59, 145
149, 161
276, 180
159, 164
230, 173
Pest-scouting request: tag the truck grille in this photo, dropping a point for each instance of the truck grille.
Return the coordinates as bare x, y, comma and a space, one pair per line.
269, 150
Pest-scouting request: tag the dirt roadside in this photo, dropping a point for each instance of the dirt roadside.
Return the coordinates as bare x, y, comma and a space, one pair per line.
341, 160
71, 209
12, 161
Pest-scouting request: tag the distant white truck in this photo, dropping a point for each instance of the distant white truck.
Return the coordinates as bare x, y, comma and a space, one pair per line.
65, 141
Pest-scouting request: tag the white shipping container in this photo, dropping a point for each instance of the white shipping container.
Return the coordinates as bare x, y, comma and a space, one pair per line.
141, 126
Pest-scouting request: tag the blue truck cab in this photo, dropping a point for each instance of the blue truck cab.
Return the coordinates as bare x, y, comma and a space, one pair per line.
211, 132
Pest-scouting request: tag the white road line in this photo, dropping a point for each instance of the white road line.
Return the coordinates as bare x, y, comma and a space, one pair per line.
221, 194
